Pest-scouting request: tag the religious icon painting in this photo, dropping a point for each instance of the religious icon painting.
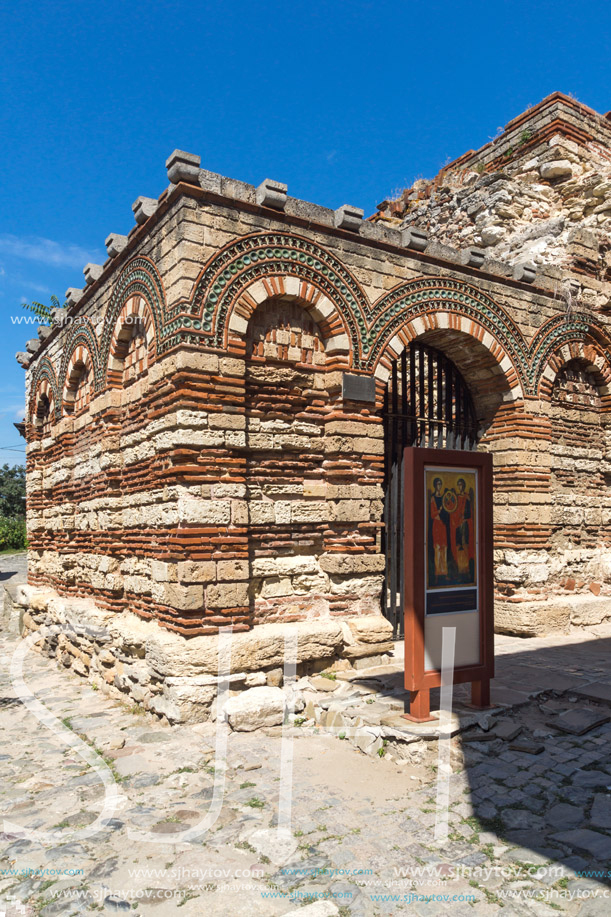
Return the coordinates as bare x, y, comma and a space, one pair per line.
451, 562
448, 573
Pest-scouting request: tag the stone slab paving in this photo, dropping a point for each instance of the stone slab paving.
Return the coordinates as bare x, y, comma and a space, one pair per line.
522, 828
13, 568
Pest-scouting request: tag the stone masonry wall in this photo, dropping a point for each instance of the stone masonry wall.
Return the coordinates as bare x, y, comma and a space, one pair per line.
298, 459
214, 471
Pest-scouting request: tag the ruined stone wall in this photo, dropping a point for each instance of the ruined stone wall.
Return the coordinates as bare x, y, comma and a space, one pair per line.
539, 193
211, 469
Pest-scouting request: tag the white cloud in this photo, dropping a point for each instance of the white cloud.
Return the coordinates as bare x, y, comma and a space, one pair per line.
46, 251
15, 410
38, 288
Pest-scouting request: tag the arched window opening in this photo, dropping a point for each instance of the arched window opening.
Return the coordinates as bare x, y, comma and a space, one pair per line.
427, 402
43, 414
130, 357
78, 389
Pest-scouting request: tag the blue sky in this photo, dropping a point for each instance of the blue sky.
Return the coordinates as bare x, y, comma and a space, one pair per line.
345, 101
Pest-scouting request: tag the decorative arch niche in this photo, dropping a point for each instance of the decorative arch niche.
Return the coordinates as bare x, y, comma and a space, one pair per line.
285, 398
79, 382
577, 385
44, 410
579, 450
132, 344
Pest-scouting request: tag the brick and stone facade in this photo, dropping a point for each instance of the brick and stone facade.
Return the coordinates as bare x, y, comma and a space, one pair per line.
197, 459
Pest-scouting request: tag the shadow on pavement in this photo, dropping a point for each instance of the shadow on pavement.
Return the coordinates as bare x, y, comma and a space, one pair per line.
538, 768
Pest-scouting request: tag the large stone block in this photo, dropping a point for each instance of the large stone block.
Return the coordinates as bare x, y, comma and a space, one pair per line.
284, 566
192, 571
239, 512
368, 636
350, 510
353, 428
230, 570
276, 587
370, 629
555, 614
357, 585
227, 421
227, 595
261, 648
185, 598
255, 709
349, 564
313, 511
193, 702
163, 572
207, 512
11, 612
557, 168
261, 513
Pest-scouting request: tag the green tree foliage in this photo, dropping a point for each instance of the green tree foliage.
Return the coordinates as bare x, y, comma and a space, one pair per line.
12, 508
43, 312
12, 490
13, 535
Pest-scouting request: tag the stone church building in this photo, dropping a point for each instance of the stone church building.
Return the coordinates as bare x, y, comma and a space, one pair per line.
215, 424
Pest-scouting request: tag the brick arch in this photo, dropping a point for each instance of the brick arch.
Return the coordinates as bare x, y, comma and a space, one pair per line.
44, 407
135, 312
417, 306
139, 279
44, 383
277, 290
80, 347
262, 265
79, 365
591, 356
486, 367
562, 335
589, 351
579, 412
284, 329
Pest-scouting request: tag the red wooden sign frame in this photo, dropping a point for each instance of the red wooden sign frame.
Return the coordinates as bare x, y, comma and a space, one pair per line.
419, 681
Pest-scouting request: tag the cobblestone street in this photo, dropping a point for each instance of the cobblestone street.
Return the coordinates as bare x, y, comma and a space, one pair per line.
526, 823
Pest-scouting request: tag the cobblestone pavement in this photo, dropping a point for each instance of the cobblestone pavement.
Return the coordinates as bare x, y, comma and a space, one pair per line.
522, 825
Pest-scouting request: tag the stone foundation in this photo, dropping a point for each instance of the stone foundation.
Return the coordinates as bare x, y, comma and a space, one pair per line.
555, 615
174, 677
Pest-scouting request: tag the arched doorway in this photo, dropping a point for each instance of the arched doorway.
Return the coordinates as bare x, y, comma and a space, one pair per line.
427, 403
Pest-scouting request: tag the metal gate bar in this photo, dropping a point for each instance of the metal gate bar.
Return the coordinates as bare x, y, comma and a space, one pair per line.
426, 403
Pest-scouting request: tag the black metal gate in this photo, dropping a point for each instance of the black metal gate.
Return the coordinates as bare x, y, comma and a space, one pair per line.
427, 403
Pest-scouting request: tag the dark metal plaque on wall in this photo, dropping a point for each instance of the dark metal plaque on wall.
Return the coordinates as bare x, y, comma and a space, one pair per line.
358, 388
